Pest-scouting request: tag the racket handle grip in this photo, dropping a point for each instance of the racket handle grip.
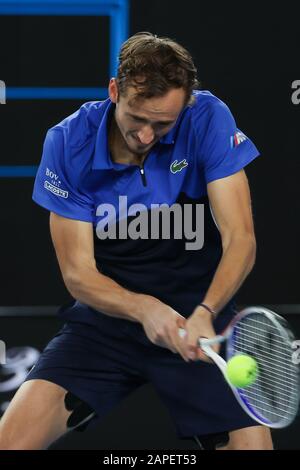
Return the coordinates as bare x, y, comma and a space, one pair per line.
205, 344
210, 342
204, 341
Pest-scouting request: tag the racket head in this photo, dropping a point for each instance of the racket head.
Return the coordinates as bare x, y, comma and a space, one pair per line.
273, 398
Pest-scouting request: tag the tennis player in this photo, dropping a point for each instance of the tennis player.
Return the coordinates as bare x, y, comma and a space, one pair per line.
150, 216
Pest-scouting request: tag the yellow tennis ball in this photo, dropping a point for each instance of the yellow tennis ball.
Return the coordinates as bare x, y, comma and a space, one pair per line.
241, 370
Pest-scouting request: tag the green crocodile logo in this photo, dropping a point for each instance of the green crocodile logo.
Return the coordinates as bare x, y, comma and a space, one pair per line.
178, 166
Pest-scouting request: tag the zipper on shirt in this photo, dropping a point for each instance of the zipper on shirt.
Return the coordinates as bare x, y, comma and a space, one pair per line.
142, 170
143, 175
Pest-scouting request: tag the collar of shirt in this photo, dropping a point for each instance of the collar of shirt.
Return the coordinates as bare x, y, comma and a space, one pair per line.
102, 159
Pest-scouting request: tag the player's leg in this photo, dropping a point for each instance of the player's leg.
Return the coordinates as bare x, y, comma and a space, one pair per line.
99, 368
251, 438
36, 416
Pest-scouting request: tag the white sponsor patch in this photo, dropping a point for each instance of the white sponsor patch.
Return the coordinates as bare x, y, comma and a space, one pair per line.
52, 175
55, 190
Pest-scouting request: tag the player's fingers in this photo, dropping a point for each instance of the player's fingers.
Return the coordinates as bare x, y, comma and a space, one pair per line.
168, 341
181, 322
181, 340
203, 357
188, 346
178, 338
177, 343
172, 344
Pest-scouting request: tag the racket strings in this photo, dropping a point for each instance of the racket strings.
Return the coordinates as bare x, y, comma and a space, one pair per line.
274, 394
277, 368
255, 330
276, 364
267, 402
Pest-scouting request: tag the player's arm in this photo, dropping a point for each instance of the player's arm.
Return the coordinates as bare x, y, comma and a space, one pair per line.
73, 243
231, 206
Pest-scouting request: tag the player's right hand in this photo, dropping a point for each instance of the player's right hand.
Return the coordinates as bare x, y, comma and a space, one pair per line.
161, 327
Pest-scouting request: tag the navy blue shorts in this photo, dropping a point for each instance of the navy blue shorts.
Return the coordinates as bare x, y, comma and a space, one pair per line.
102, 359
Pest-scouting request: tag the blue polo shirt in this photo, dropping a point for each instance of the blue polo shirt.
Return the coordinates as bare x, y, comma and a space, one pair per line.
77, 179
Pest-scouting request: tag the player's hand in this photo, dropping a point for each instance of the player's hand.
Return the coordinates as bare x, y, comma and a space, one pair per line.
198, 325
161, 325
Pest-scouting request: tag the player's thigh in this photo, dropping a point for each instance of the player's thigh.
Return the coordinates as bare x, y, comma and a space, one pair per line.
250, 438
35, 418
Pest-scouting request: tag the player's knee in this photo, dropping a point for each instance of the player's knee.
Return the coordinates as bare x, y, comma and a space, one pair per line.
251, 438
80, 415
3, 437
2, 443
7, 441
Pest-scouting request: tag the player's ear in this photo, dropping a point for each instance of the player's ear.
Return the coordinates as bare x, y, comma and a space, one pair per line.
113, 90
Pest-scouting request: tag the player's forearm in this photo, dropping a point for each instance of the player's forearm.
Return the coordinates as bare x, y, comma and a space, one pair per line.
100, 292
236, 263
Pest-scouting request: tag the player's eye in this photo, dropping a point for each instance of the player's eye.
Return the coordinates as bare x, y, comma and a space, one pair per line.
164, 124
137, 119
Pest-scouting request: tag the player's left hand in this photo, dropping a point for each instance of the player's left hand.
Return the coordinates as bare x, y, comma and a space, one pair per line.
198, 325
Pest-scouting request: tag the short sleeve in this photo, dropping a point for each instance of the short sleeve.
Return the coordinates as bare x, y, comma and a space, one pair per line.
225, 149
54, 187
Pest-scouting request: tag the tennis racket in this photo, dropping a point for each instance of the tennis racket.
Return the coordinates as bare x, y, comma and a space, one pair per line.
273, 398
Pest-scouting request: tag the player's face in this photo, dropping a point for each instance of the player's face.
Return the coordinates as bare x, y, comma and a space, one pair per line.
142, 123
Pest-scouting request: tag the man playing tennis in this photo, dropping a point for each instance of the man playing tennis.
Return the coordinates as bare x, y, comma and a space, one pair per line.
104, 171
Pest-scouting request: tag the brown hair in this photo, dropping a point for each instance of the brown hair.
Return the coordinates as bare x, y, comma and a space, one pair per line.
154, 65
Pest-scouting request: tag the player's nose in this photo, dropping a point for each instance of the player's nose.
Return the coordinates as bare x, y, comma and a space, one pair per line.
146, 135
